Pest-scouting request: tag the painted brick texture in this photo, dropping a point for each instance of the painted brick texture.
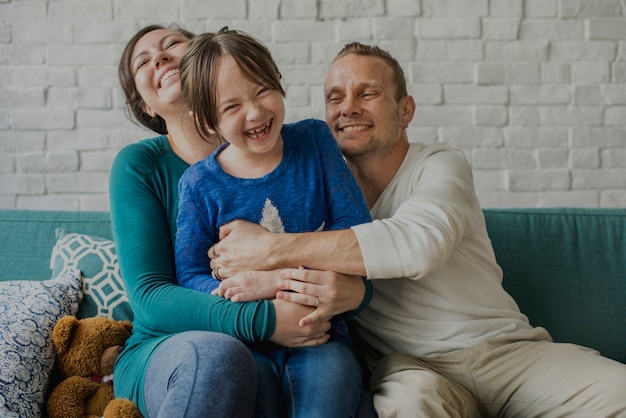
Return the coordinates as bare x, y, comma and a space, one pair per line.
533, 91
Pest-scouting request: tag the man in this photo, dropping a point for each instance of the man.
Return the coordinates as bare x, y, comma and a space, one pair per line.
443, 338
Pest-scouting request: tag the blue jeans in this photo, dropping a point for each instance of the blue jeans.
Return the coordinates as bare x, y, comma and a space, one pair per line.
201, 374
312, 382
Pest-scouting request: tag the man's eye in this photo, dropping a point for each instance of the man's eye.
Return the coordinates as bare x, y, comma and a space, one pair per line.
333, 99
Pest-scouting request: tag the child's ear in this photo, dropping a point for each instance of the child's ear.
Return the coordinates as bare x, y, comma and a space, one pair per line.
195, 119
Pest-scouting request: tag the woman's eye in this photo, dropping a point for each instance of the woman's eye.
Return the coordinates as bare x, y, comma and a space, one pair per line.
172, 43
140, 65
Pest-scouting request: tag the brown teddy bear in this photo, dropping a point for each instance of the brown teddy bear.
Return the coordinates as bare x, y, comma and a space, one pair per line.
86, 350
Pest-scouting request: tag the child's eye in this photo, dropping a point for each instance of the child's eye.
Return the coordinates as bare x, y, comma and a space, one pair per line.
230, 108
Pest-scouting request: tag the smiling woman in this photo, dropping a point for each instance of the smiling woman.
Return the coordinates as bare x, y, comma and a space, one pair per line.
195, 336
128, 68
172, 327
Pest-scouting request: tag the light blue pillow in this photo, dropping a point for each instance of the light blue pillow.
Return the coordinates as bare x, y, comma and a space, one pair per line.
96, 258
28, 312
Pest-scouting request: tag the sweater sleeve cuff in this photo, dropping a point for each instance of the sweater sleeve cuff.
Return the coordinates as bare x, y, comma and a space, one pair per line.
366, 300
260, 318
378, 248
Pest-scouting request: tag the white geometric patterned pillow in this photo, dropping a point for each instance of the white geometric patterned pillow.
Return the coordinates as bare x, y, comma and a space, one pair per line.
28, 312
103, 288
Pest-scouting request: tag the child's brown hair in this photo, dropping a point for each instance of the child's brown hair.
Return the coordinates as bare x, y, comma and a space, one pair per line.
199, 70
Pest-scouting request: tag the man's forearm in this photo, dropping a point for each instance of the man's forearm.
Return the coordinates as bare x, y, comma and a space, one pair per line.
330, 250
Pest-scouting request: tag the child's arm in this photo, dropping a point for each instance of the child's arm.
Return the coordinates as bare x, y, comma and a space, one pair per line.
344, 197
250, 285
193, 239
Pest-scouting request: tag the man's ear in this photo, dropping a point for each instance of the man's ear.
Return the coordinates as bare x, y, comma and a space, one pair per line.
407, 110
148, 110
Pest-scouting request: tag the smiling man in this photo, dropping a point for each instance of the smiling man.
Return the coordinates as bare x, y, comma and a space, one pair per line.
442, 336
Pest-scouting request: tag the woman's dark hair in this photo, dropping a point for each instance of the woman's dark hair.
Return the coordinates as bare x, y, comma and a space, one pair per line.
127, 80
199, 71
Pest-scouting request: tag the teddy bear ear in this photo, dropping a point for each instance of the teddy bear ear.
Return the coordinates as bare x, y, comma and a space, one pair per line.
62, 332
128, 325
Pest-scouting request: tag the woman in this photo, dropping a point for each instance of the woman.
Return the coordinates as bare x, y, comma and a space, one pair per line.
173, 363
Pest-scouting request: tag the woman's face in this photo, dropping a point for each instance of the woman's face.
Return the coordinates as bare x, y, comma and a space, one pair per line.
155, 67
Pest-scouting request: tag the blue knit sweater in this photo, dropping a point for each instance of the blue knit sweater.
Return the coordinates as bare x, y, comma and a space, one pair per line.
311, 189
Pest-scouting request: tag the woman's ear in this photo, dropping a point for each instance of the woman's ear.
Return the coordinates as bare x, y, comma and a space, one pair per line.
148, 110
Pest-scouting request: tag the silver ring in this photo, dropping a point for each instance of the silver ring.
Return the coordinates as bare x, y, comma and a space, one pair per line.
213, 253
317, 301
215, 274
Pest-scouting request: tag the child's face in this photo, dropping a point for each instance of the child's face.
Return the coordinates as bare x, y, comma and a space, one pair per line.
250, 116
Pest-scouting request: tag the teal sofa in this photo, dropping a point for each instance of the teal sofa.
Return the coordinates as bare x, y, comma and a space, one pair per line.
565, 267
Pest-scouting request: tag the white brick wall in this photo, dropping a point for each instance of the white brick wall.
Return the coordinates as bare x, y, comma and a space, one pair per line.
533, 91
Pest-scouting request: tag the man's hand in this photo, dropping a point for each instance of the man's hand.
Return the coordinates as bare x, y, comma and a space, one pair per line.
250, 285
329, 292
243, 246
289, 333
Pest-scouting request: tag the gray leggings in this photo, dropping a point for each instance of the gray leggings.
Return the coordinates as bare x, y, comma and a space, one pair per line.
201, 374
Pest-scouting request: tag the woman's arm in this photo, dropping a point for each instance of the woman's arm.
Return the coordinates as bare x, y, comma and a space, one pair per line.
143, 211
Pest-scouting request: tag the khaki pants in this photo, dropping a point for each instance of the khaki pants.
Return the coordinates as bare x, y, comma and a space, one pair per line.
523, 376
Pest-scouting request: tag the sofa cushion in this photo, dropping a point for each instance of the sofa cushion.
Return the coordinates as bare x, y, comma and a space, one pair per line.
566, 269
28, 312
96, 258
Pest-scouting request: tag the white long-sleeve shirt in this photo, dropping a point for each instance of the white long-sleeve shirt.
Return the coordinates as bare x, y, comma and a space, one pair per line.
436, 285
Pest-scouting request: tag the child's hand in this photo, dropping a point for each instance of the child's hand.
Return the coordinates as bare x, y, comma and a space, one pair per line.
249, 286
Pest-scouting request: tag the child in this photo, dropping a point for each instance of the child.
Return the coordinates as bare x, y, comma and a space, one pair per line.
287, 178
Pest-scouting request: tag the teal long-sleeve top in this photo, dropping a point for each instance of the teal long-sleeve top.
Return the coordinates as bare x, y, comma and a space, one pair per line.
144, 203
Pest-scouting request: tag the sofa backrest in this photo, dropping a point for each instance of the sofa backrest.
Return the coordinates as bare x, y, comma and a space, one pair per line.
28, 237
566, 269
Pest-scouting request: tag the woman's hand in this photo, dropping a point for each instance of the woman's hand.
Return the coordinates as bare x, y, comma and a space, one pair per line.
243, 246
329, 292
290, 333
250, 285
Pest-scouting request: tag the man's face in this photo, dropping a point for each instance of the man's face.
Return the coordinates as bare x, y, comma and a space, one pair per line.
361, 108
